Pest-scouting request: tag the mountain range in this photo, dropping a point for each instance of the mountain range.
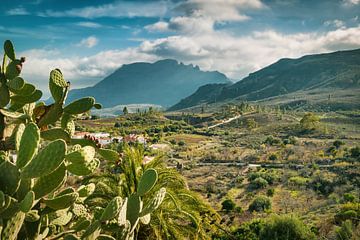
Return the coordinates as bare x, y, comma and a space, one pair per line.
163, 83
325, 73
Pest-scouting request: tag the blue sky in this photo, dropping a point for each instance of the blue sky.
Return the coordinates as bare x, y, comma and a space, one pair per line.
90, 39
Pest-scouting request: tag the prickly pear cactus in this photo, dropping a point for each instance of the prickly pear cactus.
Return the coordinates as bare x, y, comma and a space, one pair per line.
34, 203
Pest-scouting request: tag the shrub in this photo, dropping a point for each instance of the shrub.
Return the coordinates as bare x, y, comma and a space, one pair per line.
270, 140
348, 197
298, 181
228, 205
260, 204
173, 141
345, 232
258, 183
273, 157
270, 192
181, 143
117, 125
249, 230
338, 143
355, 152
348, 211
285, 227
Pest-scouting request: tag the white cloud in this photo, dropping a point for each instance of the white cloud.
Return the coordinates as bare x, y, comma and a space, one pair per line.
17, 11
158, 27
219, 10
88, 42
89, 24
349, 3
116, 9
335, 23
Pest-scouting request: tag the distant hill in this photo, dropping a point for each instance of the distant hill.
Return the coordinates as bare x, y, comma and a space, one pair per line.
330, 71
118, 110
162, 83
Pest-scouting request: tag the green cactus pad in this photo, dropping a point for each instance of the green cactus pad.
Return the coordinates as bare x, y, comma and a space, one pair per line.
86, 190
16, 83
49, 183
108, 154
13, 226
24, 188
97, 106
11, 70
65, 191
85, 168
112, 209
27, 203
81, 156
62, 202
63, 219
68, 124
9, 49
147, 181
91, 229
51, 116
4, 95
27, 90
28, 144
80, 106
154, 202
133, 209
57, 85
34, 97
81, 224
9, 178
32, 216
46, 161
55, 133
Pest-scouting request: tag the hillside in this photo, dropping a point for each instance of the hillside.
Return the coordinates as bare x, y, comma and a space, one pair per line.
162, 83
331, 71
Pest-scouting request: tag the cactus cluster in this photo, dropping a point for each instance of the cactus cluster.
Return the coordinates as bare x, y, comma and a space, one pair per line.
35, 201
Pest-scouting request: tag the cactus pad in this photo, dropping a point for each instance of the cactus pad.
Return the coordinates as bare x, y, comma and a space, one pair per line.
133, 209
32, 216
46, 161
108, 154
85, 191
13, 226
55, 133
9, 177
27, 203
147, 181
49, 183
80, 106
4, 95
112, 209
16, 83
9, 49
28, 144
85, 168
154, 202
61, 202
81, 156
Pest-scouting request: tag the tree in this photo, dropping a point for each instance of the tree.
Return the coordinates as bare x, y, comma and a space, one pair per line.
309, 122
228, 205
125, 110
260, 204
285, 227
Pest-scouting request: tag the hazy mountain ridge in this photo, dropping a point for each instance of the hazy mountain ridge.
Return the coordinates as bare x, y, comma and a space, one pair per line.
337, 70
163, 83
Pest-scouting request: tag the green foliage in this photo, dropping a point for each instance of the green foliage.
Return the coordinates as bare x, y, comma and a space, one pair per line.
260, 204
258, 183
309, 122
346, 231
285, 227
228, 205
